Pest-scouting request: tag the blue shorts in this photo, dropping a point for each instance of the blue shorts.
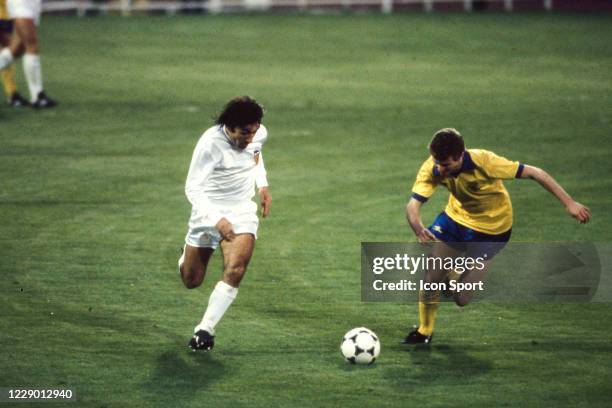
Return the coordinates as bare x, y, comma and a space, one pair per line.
6, 26
475, 244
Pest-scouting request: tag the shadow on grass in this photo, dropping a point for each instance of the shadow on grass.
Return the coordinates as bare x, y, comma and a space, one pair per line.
552, 345
180, 376
438, 364
459, 364
177, 374
346, 366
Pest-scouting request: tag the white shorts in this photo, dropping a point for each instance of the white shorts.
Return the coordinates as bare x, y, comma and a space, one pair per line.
203, 234
24, 9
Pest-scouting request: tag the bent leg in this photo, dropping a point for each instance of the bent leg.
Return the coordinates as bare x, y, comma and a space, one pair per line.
472, 276
25, 28
236, 256
193, 268
438, 273
429, 300
8, 72
16, 45
14, 49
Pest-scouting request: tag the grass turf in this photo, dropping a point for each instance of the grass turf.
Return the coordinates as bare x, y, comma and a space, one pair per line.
93, 213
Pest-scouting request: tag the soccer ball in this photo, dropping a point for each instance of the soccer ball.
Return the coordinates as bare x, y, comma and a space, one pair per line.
360, 346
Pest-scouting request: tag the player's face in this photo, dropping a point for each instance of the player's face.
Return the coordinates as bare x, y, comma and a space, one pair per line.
243, 135
449, 165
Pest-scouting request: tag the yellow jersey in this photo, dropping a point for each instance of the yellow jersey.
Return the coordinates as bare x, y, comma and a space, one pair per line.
478, 198
3, 10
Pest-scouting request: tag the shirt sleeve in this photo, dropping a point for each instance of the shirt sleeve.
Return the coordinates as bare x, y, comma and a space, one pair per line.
499, 167
425, 183
205, 157
260, 170
260, 173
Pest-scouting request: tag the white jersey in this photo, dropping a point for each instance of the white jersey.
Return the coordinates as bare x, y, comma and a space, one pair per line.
223, 174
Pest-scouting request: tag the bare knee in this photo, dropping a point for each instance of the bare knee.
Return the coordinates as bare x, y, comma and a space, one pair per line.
192, 284
192, 277
462, 299
234, 274
18, 51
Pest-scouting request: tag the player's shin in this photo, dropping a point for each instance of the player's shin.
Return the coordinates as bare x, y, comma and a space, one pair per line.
32, 71
429, 301
8, 78
220, 300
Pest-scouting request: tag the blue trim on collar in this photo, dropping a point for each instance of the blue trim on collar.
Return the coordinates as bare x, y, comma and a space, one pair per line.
466, 165
435, 171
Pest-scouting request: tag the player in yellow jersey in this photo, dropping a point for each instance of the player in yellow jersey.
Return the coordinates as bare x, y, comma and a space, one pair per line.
8, 74
477, 219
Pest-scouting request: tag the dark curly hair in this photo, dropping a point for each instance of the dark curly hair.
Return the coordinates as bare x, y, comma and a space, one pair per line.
240, 112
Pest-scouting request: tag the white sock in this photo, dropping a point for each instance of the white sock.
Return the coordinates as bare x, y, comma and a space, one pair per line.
31, 69
220, 300
6, 58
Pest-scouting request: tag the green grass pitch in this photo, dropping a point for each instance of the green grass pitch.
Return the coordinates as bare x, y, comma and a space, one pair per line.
93, 213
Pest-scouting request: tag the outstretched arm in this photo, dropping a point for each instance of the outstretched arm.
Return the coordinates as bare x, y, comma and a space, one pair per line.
580, 212
413, 216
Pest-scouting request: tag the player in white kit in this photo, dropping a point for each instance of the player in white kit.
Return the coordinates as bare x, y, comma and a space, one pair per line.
26, 17
226, 166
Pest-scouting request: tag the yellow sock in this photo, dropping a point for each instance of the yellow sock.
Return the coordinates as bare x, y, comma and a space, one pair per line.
429, 300
8, 78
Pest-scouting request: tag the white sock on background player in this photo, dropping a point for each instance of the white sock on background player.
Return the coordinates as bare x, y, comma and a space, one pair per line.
32, 71
6, 58
220, 300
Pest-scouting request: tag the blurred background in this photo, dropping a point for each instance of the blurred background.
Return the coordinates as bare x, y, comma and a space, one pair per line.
128, 7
